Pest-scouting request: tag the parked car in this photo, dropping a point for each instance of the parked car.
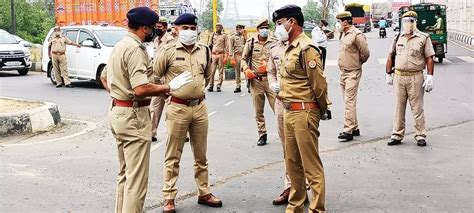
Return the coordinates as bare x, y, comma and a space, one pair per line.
87, 62
13, 55
23, 42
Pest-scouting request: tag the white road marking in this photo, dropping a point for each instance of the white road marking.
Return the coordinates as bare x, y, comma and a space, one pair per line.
468, 59
243, 95
90, 126
211, 113
228, 103
445, 60
462, 46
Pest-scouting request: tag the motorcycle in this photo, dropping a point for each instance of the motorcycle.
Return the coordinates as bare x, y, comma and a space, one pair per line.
382, 33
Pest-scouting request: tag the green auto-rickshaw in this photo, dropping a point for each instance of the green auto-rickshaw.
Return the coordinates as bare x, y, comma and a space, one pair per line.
431, 20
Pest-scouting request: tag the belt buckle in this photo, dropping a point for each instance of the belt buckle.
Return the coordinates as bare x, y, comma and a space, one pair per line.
193, 102
303, 106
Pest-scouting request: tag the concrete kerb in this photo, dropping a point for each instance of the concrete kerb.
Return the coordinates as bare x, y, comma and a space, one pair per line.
464, 38
38, 119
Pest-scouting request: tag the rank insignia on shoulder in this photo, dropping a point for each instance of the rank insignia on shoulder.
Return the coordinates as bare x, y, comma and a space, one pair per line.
312, 64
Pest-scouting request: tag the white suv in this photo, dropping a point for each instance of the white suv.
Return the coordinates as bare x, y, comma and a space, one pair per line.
87, 62
13, 55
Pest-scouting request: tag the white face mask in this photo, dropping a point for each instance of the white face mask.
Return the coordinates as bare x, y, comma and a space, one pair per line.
263, 33
409, 27
187, 37
281, 33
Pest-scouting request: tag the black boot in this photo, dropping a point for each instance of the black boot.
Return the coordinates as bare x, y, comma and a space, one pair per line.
237, 90
211, 88
218, 89
421, 142
394, 142
345, 136
262, 140
356, 132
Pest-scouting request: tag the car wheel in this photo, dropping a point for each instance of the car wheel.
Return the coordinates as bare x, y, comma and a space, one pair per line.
23, 71
97, 78
51, 74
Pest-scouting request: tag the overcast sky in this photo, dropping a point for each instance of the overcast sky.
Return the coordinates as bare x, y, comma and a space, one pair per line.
257, 7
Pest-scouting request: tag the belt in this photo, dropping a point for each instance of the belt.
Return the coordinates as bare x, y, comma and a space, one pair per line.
217, 53
261, 77
407, 73
58, 53
130, 103
296, 106
189, 102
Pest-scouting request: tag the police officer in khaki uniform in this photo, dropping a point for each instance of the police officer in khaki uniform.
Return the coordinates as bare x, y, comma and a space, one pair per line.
57, 51
219, 44
158, 102
236, 46
128, 80
303, 93
353, 52
257, 50
186, 110
413, 52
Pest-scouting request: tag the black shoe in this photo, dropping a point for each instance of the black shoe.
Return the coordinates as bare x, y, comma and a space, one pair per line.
187, 139
345, 136
218, 89
210, 89
394, 142
153, 139
421, 142
262, 140
69, 86
59, 85
356, 132
237, 90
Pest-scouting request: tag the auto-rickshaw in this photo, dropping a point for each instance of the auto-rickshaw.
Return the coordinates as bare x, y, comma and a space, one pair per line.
427, 22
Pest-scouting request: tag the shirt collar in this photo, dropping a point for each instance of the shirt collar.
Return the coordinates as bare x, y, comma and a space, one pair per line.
134, 37
180, 45
297, 40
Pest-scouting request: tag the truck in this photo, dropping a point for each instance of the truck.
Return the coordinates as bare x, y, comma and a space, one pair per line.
360, 16
381, 10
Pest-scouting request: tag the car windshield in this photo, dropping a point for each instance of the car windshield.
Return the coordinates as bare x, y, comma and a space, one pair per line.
110, 37
6, 38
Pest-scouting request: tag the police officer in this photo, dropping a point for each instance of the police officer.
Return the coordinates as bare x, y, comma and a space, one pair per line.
219, 43
128, 79
236, 46
303, 93
413, 52
257, 52
158, 102
186, 110
353, 52
57, 51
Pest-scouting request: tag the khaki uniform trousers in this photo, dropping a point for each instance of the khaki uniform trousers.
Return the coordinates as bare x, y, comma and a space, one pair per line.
131, 128
60, 69
180, 120
350, 86
156, 106
279, 114
217, 64
238, 81
409, 89
258, 90
302, 159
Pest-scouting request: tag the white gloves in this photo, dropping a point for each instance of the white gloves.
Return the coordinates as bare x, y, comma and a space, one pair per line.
180, 80
389, 79
428, 84
275, 87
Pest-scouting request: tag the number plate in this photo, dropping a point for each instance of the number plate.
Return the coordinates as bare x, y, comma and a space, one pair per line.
13, 63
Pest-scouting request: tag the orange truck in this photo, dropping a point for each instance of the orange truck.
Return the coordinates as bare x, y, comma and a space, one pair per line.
360, 16
97, 12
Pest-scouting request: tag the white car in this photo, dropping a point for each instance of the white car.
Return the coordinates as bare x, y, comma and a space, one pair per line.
87, 62
13, 55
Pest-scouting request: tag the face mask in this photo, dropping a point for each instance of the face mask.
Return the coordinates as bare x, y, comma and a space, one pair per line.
263, 33
281, 33
57, 34
188, 37
159, 32
149, 37
408, 28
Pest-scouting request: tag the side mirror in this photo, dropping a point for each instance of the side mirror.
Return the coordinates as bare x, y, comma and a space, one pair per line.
88, 43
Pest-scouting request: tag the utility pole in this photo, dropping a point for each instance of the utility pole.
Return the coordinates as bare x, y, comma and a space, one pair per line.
12, 10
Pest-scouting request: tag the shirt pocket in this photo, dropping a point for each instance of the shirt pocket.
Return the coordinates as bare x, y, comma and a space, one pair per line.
415, 50
179, 66
294, 70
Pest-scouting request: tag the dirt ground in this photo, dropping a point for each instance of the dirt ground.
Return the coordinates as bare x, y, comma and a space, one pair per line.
12, 106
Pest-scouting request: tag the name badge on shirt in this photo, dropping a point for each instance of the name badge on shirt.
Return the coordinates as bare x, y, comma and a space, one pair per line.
179, 59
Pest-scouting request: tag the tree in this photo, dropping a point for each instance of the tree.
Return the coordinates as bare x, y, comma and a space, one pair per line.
269, 5
32, 19
312, 11
205, 18
327, 7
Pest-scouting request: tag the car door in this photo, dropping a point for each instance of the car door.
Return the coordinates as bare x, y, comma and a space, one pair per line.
71, 51
86, 55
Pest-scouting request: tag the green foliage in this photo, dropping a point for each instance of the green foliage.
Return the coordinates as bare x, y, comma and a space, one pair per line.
312, 11
205, 18
32, 19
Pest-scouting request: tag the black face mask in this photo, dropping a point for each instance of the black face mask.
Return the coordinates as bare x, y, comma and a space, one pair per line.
150, 37
159, 32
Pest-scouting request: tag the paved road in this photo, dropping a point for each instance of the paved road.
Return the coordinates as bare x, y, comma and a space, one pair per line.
78, 173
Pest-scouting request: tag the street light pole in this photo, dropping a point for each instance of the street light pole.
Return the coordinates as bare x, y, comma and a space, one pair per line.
12, 9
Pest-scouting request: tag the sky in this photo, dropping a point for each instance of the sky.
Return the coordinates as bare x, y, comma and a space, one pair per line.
257, 7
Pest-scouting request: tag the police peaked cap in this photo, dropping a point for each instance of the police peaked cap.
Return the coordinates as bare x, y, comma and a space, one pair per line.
262, 22
240, 26
290, 10
186, 19
143, 16
410, 14
344, 15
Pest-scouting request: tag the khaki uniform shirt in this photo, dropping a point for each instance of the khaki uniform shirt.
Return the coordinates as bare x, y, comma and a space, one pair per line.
236, 45
303, 81
220, 43
277, 51
128, 67
353, 50
175, 59
261, 52
58, 44
411, 52
167, 38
